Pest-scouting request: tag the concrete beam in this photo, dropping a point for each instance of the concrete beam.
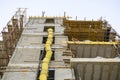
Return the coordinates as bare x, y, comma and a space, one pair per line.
94, 60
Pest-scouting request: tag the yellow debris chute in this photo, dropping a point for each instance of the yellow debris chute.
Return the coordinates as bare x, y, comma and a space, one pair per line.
45, 63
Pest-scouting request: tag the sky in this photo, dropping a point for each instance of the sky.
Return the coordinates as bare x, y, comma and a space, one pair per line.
91, 9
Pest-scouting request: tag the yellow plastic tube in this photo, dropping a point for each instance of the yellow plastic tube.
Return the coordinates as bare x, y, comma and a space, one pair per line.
45, 63
42, 77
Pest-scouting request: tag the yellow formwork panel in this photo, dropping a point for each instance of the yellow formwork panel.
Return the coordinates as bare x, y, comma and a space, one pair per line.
83, 24
92, 30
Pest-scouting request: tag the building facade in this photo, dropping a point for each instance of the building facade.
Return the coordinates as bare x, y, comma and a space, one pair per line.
81, 50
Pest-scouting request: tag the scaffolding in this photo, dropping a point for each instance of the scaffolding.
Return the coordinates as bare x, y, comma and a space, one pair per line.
56, 48
88, 30
11, 34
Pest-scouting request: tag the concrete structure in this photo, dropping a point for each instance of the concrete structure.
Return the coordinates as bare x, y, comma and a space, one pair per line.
10, 36
74, 56
31, 46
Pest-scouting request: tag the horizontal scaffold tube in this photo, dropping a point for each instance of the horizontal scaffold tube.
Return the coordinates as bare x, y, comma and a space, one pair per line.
45, 63
80, 42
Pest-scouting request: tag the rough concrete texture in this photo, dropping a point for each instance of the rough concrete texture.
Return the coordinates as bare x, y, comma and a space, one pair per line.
24, 62
96, 68
92, 51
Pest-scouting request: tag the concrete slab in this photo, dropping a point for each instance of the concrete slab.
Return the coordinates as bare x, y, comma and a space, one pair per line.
24, 55
30, 40
64, 74
96, 68
19, 76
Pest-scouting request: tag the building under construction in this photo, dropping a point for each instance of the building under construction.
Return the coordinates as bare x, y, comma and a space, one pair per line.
57, 48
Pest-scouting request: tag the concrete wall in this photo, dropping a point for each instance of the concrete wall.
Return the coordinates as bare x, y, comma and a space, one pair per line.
24, 62
92, 51
96, 68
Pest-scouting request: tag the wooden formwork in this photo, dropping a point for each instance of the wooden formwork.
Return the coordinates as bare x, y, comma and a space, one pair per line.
86, 30
3, 54
83, 24
4, 59
86, 36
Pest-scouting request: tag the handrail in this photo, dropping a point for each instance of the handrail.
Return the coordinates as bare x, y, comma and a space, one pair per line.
45, 63
81, 42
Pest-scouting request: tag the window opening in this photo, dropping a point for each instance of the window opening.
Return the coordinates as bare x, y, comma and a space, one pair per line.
50, 20
45, 39
47, 27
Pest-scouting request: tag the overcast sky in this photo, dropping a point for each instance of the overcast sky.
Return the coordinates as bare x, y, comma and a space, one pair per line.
91, 9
